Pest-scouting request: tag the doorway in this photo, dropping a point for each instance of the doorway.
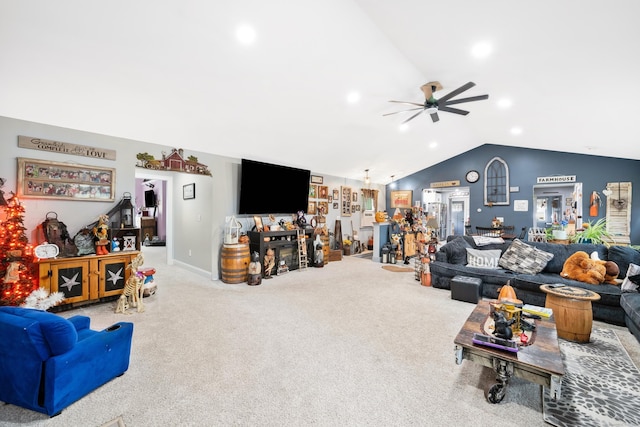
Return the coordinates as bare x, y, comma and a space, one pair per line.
157, 217
555, 203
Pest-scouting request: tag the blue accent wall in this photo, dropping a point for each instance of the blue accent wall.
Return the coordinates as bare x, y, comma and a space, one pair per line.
525, 165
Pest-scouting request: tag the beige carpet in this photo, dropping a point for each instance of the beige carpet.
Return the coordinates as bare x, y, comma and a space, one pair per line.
344, 345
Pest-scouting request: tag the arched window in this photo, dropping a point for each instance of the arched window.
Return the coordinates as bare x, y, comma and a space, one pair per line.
496, 182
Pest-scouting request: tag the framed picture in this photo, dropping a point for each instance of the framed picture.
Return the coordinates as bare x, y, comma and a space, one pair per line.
401, 198
189, 191
313, 191
335, 205
258, 221
354, 197
329, 199
346, 200
323, 191
315, 179
336, 194
311, 209
65, 181
323, 208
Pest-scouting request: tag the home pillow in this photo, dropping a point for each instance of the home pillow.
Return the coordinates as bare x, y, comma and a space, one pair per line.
524, 259
483, 258
629, 284
455, 250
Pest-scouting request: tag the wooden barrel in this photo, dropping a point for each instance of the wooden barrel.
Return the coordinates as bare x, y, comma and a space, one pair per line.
235, 263
574, 317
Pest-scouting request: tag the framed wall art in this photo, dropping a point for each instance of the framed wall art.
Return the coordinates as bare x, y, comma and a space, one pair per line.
189, 191
65, 181
401, 198
323, 191
315, 179
346, 201
311, 209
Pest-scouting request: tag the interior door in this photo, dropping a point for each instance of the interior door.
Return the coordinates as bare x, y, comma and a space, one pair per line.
457, 217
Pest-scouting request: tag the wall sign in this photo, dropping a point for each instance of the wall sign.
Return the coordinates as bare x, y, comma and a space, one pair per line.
555, 179
65, 148
441, 184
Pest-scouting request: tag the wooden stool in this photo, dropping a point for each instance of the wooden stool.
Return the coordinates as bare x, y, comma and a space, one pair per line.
571, 310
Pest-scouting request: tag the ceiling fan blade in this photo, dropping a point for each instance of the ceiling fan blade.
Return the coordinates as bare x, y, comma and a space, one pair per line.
412, 117
461, 100
410, 103
434, 117
402, 111
456, 92
453, 110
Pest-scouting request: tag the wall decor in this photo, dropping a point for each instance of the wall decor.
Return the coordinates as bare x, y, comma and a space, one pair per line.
315, 179
323, 208
189, 191
346, 200
65, 181
323, 192
65, 148
496, 183
174, 161
311, 209
336, 194
401, 198
336, 205
313, 191
354, 197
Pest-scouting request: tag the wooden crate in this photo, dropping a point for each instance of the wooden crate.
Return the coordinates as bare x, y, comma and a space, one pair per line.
335, 255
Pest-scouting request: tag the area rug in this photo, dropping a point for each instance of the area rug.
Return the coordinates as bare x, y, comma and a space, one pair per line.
601, 385
397, 269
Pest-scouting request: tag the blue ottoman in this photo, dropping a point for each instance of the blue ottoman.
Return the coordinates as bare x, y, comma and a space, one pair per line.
468, 289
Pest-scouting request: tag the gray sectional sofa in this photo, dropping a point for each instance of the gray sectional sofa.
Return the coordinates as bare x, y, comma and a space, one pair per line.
613, 307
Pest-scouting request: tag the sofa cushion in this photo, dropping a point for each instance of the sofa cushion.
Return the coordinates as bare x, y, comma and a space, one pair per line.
630, 285
623, 256
525, 259
456, 251
562, 252
483, 258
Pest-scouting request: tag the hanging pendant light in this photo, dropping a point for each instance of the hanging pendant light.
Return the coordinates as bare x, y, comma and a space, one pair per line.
367, 180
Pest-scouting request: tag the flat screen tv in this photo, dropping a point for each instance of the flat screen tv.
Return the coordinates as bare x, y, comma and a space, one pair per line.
149, 199
272, 189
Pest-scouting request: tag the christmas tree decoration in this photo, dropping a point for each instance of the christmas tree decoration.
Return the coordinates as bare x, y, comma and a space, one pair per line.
17, 270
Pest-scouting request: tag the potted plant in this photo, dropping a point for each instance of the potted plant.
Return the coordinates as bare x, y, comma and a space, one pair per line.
346, 246
594, 233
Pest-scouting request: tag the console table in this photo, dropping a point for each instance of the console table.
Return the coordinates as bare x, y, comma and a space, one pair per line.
284, 244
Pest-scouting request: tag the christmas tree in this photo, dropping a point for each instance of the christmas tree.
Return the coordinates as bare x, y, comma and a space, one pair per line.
17, 269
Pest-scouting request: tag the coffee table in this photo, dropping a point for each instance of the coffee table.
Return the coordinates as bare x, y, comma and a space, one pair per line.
540, 362
572, 310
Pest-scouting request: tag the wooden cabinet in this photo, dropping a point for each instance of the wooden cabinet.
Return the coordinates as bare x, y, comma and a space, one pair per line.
148, 227
284, 244
86, 279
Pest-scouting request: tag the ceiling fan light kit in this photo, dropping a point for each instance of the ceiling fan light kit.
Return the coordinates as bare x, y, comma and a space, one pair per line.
432, 105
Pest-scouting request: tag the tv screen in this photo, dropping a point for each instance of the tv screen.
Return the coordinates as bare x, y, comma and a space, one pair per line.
272, 189
149, 199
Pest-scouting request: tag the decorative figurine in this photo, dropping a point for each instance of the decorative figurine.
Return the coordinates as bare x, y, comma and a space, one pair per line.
269, 263
255, 270
115, 245
101, 233
319, 255
502, 326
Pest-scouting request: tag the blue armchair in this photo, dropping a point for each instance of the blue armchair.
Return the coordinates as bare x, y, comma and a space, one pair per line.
48, 362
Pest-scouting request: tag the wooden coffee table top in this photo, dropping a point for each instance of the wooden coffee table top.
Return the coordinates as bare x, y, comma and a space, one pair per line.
543, 355
570, 292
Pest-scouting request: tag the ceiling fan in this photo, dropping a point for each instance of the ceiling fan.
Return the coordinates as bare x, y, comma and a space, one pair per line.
432, 105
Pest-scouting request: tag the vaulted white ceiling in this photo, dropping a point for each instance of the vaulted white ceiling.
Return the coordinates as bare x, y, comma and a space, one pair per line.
172, 72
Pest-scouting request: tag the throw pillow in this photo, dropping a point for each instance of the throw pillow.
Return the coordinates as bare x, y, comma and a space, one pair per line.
483, 258
524, 259
629, 284
455, 250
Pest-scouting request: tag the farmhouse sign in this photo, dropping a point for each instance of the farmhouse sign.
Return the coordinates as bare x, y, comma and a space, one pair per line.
65, 148
556, 178
442, 184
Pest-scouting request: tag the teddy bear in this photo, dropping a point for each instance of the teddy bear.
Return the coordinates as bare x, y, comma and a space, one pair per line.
589, 269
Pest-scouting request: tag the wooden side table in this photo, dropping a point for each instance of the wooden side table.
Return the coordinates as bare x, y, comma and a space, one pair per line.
571, 310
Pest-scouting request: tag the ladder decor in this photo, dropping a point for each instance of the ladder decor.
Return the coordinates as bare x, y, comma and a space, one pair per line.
303, 263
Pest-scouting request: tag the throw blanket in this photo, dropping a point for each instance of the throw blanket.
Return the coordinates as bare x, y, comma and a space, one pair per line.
485, 240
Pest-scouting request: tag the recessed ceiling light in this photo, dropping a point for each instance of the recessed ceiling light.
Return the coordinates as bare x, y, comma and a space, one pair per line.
481, 50
403, 127
516, 130
353, 97
504, 103
246, 34
433, 144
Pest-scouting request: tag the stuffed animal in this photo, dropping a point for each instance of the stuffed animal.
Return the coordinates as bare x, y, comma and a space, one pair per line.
584, 268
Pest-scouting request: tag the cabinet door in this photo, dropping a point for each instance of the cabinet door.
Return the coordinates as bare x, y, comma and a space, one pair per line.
113, 274
72, 279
